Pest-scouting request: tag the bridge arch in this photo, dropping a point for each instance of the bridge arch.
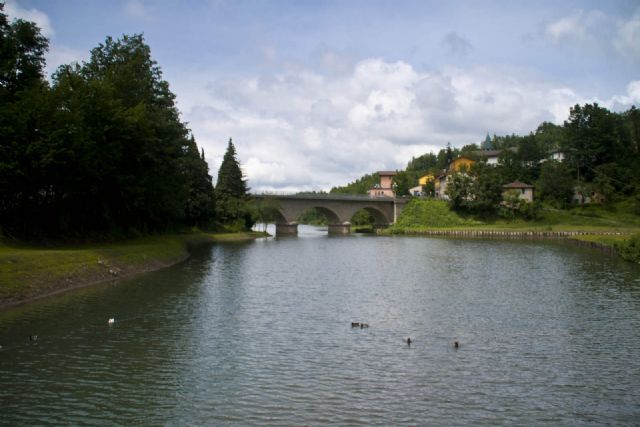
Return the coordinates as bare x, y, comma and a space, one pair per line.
379, 218
332, 217
338, 209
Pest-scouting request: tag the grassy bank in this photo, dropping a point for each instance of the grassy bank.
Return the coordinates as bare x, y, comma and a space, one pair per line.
29, 272
616, 226
422, 214
627, 246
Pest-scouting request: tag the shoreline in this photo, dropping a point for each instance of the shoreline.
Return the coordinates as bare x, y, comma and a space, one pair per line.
84, 284
602, 241
36, 269
111, 263
506, 234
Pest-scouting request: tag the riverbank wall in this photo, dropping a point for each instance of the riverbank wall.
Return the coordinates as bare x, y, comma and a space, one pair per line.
607, 249
574, 237
506, 234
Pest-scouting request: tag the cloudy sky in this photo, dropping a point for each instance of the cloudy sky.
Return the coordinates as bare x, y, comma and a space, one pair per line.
317, 93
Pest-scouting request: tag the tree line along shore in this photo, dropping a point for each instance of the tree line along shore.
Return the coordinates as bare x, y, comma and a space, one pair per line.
99, 177
99, 151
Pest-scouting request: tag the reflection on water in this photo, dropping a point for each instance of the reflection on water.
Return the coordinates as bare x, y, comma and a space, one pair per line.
259, 333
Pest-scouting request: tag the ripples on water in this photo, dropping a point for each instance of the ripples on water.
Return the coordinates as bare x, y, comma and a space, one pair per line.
259, 334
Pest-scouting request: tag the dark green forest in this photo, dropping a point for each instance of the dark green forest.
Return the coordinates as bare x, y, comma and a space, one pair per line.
100, 149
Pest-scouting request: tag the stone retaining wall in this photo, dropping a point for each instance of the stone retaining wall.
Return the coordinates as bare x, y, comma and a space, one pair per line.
568, 235
510, 234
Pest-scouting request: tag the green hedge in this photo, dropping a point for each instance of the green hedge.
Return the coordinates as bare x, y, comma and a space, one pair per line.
630, 249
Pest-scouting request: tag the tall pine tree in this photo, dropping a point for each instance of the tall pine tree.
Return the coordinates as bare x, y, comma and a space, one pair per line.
231, 190
230, 180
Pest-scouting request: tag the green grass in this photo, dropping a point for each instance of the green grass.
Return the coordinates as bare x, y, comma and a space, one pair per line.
362, 229
430, 214
629, 248
29, 271
421, 215
234, 237
606, 240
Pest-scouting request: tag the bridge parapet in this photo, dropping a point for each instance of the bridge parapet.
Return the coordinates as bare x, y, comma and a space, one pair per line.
320, 196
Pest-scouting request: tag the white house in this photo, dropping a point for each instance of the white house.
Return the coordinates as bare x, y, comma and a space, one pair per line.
556, 155
525, 191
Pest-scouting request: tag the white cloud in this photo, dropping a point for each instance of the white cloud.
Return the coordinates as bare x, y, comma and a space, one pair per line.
627, 41
622, 102
307, 131
13, 10
59, 55
137, 9
570, 27
582, 27
595, 31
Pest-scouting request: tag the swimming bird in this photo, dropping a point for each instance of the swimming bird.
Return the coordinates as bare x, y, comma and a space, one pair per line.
33, 338
408, 340
455, 344
111, 321
355, 324
364, 325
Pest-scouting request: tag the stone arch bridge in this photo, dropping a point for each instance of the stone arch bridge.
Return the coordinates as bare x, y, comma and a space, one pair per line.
339, 209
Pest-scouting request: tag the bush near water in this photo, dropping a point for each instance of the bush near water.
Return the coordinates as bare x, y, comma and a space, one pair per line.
630, 249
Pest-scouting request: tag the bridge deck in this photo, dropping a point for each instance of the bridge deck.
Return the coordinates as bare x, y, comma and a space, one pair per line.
337, 197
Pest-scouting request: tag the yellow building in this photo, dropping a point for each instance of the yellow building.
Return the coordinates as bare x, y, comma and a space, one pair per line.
424, 179
460, 163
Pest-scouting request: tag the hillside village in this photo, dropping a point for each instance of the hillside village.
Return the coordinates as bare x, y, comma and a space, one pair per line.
435, 185
592, 158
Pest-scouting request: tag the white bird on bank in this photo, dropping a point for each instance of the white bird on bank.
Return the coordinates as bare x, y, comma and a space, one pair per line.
111, 321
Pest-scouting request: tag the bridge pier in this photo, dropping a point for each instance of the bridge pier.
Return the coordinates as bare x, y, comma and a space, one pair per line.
287, 229
344, 228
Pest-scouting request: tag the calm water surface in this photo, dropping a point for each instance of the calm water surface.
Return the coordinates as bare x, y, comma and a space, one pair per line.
259, 333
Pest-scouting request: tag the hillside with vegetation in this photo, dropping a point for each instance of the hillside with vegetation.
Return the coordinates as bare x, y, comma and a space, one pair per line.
599, 163
586, 174
361, 185
425, 214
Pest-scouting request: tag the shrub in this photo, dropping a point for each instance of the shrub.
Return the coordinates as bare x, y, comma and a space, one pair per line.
513, 206
630, 248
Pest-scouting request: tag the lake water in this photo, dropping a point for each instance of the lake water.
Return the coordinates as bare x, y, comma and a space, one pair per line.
259, 333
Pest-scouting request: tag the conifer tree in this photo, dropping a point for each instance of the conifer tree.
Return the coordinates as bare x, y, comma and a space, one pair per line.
231, 189
200, 205
230, 180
